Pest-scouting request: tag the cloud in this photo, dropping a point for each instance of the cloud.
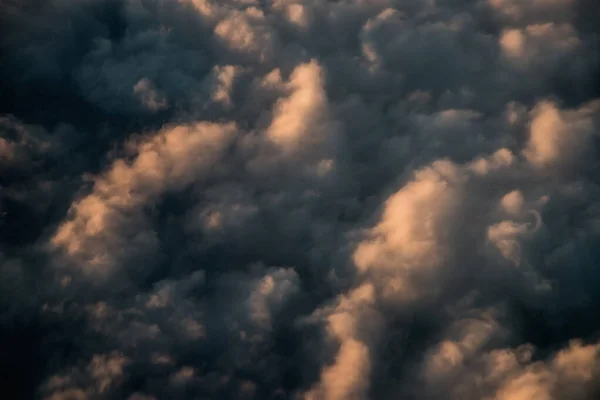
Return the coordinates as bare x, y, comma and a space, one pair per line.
559, 137
299, 199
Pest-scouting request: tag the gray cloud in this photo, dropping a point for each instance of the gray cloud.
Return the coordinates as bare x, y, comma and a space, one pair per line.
309, 200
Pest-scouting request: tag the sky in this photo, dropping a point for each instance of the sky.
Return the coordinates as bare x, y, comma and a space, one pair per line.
300, 199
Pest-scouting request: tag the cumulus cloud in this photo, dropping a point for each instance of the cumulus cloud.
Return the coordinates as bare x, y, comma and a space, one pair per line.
306, 200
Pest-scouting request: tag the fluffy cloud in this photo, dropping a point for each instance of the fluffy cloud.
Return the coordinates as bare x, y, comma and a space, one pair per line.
299, 199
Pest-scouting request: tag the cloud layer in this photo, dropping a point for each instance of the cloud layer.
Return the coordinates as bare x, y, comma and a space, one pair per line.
308, 200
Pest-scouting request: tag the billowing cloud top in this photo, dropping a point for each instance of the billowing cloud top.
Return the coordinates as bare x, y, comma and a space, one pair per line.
300, 199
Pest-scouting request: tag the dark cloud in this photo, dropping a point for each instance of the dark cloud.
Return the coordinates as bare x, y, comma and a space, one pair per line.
319, 200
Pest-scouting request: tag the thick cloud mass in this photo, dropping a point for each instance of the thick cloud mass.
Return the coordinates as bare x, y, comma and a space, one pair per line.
305, 200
